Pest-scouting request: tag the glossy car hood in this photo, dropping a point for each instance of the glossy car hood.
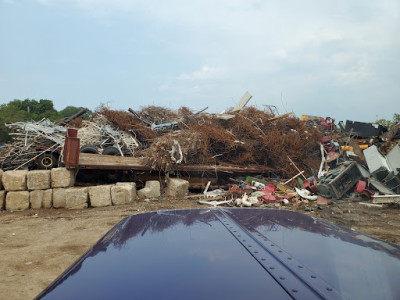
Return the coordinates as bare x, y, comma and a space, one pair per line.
231, 253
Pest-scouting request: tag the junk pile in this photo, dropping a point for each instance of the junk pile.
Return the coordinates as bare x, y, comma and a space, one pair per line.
165, 139
31, 140
100, 135
35, 142
40, 144
356, 165
309, 159
245, 137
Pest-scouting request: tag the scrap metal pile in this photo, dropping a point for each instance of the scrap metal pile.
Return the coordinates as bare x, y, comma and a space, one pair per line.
29, 140
359, 163
307, 159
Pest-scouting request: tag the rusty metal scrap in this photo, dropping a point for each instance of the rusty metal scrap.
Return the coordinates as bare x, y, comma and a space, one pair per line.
27, 138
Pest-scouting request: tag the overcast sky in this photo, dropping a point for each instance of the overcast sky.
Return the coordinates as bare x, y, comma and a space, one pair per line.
338, 58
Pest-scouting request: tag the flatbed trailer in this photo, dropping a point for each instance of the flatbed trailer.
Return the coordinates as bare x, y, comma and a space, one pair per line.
73, 159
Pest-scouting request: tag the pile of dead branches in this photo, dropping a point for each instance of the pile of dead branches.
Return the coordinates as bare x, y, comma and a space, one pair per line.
250, 137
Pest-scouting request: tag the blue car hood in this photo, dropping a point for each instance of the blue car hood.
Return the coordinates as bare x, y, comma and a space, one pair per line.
231, 253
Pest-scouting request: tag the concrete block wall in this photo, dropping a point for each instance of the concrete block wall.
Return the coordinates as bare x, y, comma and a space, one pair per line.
20, 190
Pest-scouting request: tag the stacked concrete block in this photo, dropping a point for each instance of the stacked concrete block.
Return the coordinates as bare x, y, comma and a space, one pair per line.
47, 201
2, 198
100, 195
17, 200
76, 198
1, 174
59, 197
177, 187
123, 192
41, 198
151, 190
54, 188
62, 177
14, 180
38, 180
35, 198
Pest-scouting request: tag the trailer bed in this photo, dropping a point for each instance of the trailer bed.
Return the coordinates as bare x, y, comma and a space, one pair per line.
97, 161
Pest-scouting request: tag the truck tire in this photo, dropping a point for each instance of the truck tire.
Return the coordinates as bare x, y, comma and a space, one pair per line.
46, 161
112, 175
111, 150
92, 149
87, 175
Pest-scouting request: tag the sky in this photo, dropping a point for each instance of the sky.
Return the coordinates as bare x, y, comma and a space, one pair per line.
338, 58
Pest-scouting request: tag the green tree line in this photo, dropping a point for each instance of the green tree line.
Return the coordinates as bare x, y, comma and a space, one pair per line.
389, 123
32, 110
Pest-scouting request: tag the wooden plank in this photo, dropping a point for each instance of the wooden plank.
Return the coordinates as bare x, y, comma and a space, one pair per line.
242, 103
97, 161
386, 199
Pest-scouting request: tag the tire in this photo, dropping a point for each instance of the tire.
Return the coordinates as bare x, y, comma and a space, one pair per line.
113, 176
46, 161
87, 175
92, 149
111, 151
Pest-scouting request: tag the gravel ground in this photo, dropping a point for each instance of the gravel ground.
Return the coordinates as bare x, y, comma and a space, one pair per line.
36, 246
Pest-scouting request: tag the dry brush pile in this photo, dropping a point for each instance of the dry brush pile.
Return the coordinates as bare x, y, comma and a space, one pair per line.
249, 138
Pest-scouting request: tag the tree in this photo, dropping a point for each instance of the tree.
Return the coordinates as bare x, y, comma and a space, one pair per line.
384, 122
71, 110
30, 109
389, 123
10, 113
36, 109
396, 118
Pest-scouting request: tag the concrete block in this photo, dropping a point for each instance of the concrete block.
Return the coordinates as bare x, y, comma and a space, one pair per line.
14, 180
17, 200
59, 197
2, 198
100, 195
123, 192
36, 198
1, 174
47, 198
41, 198
151, 190
38, 180
76, 198
177, 187
62, 177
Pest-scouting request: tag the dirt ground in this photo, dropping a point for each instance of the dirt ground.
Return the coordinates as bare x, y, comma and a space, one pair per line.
36, 246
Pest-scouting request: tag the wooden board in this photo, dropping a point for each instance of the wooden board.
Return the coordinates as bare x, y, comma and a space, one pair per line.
97, 161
